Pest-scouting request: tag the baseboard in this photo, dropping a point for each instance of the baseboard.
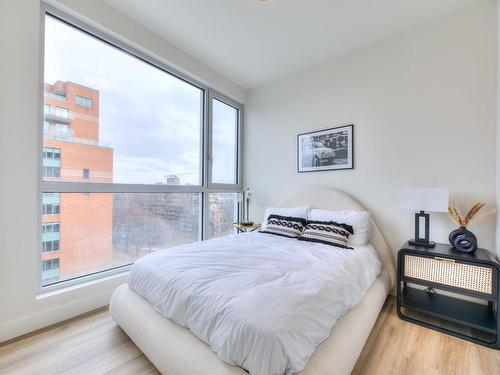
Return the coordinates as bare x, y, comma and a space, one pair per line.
52, 326
60, 312
13, 329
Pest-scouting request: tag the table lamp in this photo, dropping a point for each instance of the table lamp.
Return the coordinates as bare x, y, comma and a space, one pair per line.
240, 199
246, 196
423, 199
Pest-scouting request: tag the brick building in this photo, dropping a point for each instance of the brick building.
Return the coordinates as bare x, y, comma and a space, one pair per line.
77, 227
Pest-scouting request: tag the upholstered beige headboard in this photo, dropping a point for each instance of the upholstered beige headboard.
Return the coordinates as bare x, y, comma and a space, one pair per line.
333, 199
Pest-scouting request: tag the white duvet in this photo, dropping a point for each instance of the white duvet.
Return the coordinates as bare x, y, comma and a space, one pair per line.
262, 302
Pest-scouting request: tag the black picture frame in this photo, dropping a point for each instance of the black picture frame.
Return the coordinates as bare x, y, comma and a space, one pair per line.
313, 157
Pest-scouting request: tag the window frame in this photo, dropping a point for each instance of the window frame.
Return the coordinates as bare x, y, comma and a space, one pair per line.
203, 189
53, 171
51, 224
82, 100
52, 261
213, 95
51, 205
52, 250
59, 112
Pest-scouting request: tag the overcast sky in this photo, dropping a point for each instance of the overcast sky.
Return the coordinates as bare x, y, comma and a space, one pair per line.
151, 119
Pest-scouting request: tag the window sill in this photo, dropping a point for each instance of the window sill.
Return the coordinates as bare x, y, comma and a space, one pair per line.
71, 285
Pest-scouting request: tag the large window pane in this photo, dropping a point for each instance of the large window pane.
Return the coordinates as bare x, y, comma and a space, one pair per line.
222, 213
224, 143
118, 118
115, 118
91, 232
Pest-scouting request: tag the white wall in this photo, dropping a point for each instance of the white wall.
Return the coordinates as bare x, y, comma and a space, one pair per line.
498, 133
21, 310
424, 108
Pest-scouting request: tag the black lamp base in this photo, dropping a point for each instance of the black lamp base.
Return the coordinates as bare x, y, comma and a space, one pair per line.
419, 240
422, 243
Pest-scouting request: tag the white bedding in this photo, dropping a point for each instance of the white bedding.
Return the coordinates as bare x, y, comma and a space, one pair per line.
262, 302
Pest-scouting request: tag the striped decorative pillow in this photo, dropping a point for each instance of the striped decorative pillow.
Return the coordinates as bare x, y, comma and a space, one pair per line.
286, 226
327, 232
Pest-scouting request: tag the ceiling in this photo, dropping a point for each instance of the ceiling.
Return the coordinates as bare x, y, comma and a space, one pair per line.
253, 42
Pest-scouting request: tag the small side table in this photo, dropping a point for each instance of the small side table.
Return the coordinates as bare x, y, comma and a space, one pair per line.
246, 228
435, 286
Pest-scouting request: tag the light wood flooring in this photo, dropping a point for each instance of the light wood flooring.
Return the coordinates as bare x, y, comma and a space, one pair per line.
94, 344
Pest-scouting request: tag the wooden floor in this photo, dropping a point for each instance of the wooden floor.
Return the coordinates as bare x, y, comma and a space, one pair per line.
94, 344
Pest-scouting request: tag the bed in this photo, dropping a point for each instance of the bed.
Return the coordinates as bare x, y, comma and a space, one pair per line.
173, 349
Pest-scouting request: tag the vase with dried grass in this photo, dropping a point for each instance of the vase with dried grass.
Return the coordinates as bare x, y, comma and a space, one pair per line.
463, 239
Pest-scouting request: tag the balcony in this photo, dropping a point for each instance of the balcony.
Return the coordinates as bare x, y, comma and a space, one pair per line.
56, 117
68, 137
56, 96
53, 128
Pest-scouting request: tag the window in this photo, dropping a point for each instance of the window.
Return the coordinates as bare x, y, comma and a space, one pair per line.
51, 153
50, 228
50, 237
51, 204
50, 264
151, 185
223, 212
51, 209
62, 112
120, 228
57, 127
61, 128
52, 172
46, 108
83, 102
50, 270
51, 162
225, 126
50, 245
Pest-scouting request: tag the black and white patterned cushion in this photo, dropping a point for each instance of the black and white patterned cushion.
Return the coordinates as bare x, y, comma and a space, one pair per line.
327, 232
285, 226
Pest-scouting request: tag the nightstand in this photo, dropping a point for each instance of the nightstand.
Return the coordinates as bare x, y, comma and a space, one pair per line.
450, 292
246, 228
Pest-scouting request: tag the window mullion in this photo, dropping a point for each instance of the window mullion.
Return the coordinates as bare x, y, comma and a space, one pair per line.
91, 187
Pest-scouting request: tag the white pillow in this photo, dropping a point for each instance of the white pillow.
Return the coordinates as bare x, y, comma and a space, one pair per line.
285, 211
359, 220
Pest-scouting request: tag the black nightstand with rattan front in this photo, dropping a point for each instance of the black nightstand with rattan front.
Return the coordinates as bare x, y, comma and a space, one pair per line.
451, 292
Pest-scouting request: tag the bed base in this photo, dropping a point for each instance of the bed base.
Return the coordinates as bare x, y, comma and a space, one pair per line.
174, 350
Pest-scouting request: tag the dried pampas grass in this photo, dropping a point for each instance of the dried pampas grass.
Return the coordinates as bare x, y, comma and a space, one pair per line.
470, 217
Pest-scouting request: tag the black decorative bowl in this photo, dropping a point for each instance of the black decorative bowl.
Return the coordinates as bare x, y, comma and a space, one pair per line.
463, 240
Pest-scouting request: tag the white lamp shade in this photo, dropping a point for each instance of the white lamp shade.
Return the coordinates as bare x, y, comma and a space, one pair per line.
248, 193
424, 199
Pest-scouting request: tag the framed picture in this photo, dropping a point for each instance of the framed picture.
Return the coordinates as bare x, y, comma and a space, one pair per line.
325, 150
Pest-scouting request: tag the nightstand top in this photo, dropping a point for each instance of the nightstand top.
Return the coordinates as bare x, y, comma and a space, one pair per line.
246, 228
448, 251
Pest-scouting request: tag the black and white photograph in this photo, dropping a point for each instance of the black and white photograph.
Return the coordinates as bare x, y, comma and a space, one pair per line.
324, 150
